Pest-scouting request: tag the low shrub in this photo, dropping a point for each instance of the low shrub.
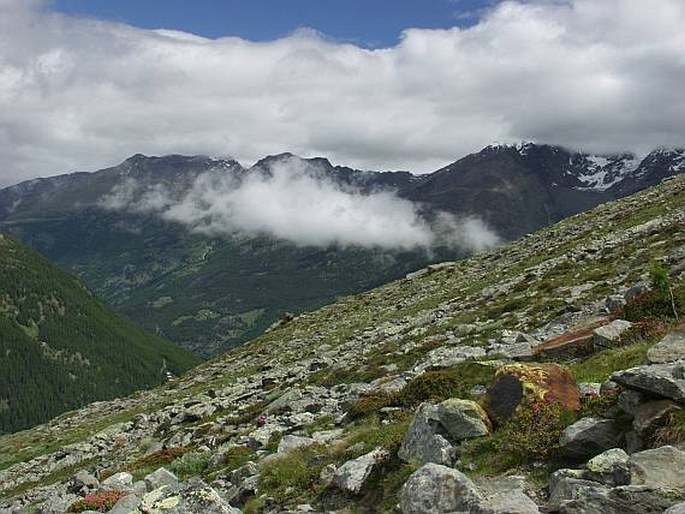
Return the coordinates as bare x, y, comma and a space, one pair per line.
534, 430
99, 502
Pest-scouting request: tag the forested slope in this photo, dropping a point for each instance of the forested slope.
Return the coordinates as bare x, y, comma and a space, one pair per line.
61, 348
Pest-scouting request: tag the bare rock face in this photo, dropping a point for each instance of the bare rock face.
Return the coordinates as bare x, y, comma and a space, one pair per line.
515, 383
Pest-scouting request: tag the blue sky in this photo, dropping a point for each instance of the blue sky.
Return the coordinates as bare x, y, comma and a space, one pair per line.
370, 23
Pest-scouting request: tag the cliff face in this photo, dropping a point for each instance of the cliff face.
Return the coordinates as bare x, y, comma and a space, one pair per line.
389, 397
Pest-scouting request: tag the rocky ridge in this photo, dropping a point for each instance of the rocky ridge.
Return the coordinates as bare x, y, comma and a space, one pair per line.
333, 396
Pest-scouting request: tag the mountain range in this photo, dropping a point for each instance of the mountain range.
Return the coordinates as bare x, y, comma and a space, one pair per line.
155, 238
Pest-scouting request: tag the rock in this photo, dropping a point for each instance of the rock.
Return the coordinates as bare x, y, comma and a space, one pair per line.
676, 509
609, 468
463, 419
194, 497
589, 436
535, 383
423, 443
667, 380
671, 348
446, 356
126, 505
159, 478
350, 477
118, 482
661, 467
326, 475
586, 497
437, 489
649, 415
589, 389
83, 482
292, 442
506, 495
609, 336
608, 387
629, 402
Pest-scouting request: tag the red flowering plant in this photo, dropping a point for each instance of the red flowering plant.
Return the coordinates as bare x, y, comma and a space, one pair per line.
100, 502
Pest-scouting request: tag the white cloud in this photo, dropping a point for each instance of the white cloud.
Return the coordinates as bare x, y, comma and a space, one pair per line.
82, 94
295, 203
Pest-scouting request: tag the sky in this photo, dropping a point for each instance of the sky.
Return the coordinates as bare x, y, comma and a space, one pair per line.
380, 84
368, 23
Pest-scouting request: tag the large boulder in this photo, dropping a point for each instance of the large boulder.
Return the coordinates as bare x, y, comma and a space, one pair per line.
667, 380
516, 383
609, 468
351, 476
671, 348
463, 419
588, 437
436, 489
423, 441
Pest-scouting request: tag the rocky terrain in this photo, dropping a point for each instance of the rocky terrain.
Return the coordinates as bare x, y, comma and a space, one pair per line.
545, 376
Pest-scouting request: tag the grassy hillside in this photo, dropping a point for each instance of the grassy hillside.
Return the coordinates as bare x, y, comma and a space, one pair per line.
354, 373
61, 348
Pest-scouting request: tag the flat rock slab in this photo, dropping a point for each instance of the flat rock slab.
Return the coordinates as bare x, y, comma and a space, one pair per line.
671, 348
667, 380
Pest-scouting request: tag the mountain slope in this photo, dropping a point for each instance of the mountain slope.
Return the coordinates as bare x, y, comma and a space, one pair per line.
209, 291
362, 366
61, 347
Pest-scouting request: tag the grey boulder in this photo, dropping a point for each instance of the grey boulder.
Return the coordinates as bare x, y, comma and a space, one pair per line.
667, 380
588, 437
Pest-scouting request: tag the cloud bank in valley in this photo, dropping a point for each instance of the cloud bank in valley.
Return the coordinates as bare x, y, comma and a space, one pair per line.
599, 75
305, 208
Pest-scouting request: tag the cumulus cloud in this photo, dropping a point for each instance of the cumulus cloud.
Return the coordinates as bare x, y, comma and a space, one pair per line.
293, 202
81, 94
